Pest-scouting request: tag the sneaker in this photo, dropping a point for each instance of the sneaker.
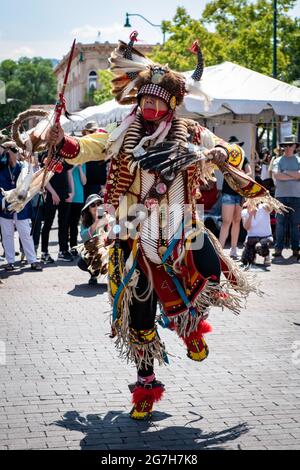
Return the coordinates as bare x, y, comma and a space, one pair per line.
36, 267
74, 252
10, 267
93, 281
46, 258
267, 260
65, 256
233, 253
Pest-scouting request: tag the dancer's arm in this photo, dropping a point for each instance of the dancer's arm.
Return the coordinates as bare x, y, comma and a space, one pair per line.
78, 150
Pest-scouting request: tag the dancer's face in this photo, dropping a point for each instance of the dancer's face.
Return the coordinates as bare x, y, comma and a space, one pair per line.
153, 109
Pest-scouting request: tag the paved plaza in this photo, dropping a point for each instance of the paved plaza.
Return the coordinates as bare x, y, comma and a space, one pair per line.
62, 385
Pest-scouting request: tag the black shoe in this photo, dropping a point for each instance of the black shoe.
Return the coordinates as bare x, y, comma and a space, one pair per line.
65, 256
23, 259
46, 258
36, 267
93, 281
74, 252
10, 267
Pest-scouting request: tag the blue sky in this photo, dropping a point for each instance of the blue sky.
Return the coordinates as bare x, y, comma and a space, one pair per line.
46, 28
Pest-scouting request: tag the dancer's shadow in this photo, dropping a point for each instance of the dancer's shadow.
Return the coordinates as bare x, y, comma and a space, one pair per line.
87, 291
97, 428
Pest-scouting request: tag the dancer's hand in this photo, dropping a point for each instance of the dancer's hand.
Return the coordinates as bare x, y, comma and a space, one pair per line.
55, 134
217, 155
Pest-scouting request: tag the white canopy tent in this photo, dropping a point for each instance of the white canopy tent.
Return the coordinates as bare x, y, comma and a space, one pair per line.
239, 99
104, 114
237, 90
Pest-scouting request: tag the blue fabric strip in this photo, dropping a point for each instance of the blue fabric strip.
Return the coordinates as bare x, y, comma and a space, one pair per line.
122, 286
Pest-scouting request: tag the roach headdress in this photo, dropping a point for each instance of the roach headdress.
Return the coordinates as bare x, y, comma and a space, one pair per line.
135, 75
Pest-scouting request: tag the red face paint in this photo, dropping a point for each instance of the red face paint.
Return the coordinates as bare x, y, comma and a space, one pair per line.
153, 114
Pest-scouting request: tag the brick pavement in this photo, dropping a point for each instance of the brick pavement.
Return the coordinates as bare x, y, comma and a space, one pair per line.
63, 386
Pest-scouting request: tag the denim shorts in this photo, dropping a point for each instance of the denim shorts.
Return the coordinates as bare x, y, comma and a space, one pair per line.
231, 199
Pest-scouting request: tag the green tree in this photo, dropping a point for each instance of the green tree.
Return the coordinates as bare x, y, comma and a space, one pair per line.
240, 31
247, 29
182, 31
28, 82
103, 93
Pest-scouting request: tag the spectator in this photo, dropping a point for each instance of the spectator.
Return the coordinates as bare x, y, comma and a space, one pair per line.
277, 152
79, 180
3, 138
286, 173
91, 224
9, 173
257, 223
232, 208
257, 168
96, 172
266, 175
59, 194
37, 214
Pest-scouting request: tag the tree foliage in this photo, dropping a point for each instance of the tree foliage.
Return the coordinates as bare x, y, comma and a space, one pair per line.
103, 93
239, 31
28, 82
182, 31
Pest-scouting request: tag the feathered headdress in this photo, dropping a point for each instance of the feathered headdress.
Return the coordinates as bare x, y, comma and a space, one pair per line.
135, 75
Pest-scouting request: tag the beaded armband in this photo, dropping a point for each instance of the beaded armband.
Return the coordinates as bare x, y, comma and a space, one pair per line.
70, 148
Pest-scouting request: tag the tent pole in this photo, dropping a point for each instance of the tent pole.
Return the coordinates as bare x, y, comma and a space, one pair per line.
253, 148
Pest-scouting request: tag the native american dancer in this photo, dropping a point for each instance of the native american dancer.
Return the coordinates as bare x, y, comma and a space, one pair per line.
158, 162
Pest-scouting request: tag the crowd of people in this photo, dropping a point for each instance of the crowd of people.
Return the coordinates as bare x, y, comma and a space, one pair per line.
75, 192
65, 195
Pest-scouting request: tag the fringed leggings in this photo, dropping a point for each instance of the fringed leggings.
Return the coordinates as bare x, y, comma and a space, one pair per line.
142, 314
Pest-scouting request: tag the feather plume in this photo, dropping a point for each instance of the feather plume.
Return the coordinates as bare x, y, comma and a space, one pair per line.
196, 88
127, 73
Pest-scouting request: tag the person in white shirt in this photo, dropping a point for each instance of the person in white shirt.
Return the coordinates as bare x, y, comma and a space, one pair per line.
259, 234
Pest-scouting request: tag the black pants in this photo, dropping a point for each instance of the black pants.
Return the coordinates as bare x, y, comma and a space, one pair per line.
75, 213
255, 246
63, 209
37, 219
142, 314
91, 189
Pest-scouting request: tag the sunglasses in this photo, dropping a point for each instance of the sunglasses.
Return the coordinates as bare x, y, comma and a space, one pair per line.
96, 204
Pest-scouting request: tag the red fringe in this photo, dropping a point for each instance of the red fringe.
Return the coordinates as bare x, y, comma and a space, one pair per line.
203, 328
142, 394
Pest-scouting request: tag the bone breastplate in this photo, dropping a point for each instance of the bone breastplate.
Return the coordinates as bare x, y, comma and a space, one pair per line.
165, 215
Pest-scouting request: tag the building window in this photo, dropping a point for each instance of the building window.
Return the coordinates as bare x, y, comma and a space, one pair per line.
92, 82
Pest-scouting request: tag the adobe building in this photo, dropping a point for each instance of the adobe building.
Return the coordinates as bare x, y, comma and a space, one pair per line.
83, 78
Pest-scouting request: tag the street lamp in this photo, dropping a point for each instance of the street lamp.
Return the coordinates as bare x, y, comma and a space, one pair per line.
128, 25
274, 38
275, 136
